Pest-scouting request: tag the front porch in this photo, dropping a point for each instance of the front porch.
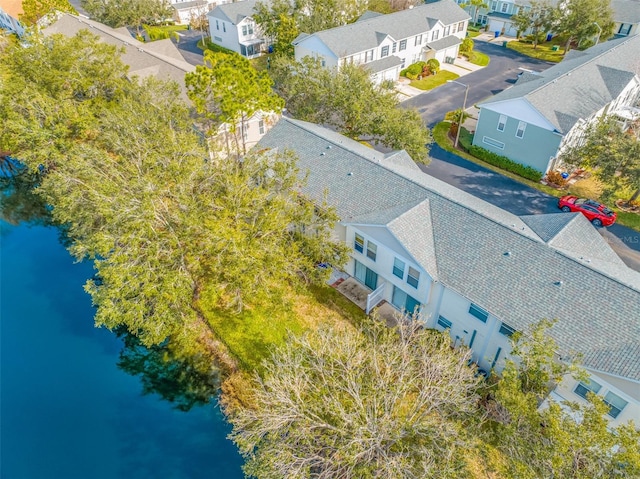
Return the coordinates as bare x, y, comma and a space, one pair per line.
366, 299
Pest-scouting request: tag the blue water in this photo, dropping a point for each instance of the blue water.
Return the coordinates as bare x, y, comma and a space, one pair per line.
67, 411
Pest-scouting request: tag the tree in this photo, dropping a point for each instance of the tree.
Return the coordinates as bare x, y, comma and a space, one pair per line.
456, 118
228, 91
540, 18
612, 153
348, 101
123, 13
569, 440
34, 10
127, 177
476, 5
578, 20
377, 402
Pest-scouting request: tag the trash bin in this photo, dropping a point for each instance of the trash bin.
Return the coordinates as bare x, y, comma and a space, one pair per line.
549, 36
555, 48
504, 44
497, 33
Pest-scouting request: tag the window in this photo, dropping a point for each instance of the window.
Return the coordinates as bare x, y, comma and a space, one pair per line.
445, 323
413, 277
521, 127
453, 28
244, 29
491, 142
217, 25
494, 6
504, 7
261, 126
502, 121
398, 268
435, 35
403, 45
224, 27
507, 330
460, 26
393, 47
418, 40
217, 39
384, 52
371, 250
358, 243
625, 29
587, 386
368, 56
250, 28
447, 29
616, 404
478, 312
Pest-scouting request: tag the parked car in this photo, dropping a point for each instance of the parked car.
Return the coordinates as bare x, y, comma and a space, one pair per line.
595, 212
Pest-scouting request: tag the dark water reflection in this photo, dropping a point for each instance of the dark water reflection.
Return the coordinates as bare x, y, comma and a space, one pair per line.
67, 409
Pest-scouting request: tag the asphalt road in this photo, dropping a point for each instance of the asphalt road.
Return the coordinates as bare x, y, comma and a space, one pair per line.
500, 74
188, 46
519, 199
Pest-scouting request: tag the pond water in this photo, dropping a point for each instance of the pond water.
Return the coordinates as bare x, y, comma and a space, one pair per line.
67, 410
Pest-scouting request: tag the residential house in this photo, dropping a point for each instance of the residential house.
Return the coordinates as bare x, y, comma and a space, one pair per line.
163, 60
386, 44
231, 26
472, 268
10, 11
541, 115
626, 14
187, 12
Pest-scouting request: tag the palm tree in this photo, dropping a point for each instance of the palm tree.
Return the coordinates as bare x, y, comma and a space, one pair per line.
477, 5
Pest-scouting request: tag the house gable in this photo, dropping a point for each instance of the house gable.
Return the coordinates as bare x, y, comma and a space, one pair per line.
520, 109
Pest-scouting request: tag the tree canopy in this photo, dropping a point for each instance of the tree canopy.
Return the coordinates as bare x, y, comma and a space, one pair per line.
129, 179
34, 10
348, 101
612, 152
128, 13
540, 18
228, 90
581, 20
376, 402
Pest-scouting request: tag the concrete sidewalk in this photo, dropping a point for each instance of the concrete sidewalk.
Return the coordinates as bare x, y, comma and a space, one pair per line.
490, 37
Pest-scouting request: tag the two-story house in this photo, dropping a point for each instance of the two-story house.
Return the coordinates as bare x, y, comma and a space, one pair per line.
473, 269
386, 44
626, 15
541, 115
231, 26
10, 11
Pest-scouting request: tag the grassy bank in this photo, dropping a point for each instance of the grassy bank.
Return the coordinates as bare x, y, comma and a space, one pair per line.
434, 81
544, 51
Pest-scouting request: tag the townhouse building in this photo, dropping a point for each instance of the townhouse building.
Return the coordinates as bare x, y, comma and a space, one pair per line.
472, 269
231, 26
385, 44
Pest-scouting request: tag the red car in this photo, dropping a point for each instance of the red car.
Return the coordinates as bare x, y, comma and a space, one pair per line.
595, 212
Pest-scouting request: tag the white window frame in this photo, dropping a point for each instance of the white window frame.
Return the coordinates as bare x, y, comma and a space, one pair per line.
504, 7
418, 40
372, 250
413, 275
261, 126
522, 126
502, 123
397, 268
384, 51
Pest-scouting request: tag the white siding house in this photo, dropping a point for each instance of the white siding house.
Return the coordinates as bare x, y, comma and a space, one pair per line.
231, 26
386, 44
473, 269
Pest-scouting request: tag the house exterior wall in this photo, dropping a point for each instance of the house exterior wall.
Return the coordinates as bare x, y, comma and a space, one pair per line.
535, 149
313, 47
224, 33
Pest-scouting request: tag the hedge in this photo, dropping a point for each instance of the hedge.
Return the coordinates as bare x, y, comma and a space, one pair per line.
505, 163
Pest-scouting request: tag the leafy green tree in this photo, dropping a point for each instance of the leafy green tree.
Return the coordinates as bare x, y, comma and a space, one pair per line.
228, 91
348, 101
377, 402
278, 22
612, 153
467, 46
34, 10
569, 440
476, 5
539, 19
578, 20
128, 13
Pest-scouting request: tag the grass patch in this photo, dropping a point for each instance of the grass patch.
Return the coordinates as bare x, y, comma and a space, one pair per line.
631, 220
250, 336
542, 52
473, 34
260, 63
160, 32
209, 45
478, 58
434, 81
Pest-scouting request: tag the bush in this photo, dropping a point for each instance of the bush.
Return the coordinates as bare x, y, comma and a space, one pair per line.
505, 163
433, 66
413, 71
467, 45
555, 178
466, 139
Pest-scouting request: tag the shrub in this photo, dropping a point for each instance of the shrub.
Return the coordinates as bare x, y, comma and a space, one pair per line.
433, 66
467, 45
466, 139
505, 163
555, 178
413, 71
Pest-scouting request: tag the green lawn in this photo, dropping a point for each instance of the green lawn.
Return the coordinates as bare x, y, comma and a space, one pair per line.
478, 58
441, 136
543, 50
434, 81
158, 32
260, 63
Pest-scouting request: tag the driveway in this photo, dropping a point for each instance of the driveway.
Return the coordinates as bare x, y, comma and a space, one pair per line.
500, 74
188, 46
519, 199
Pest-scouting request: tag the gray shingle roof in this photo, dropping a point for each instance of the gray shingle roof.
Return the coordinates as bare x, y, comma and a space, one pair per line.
383, 64
367, 33
626, 11
446, 42
234, 12
580, 85
598, 312
162, 60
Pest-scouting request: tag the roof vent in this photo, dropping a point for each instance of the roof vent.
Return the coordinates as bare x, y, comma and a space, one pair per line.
558, 283
322, 154
350, 173
506, 253
329, 147
140, 49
